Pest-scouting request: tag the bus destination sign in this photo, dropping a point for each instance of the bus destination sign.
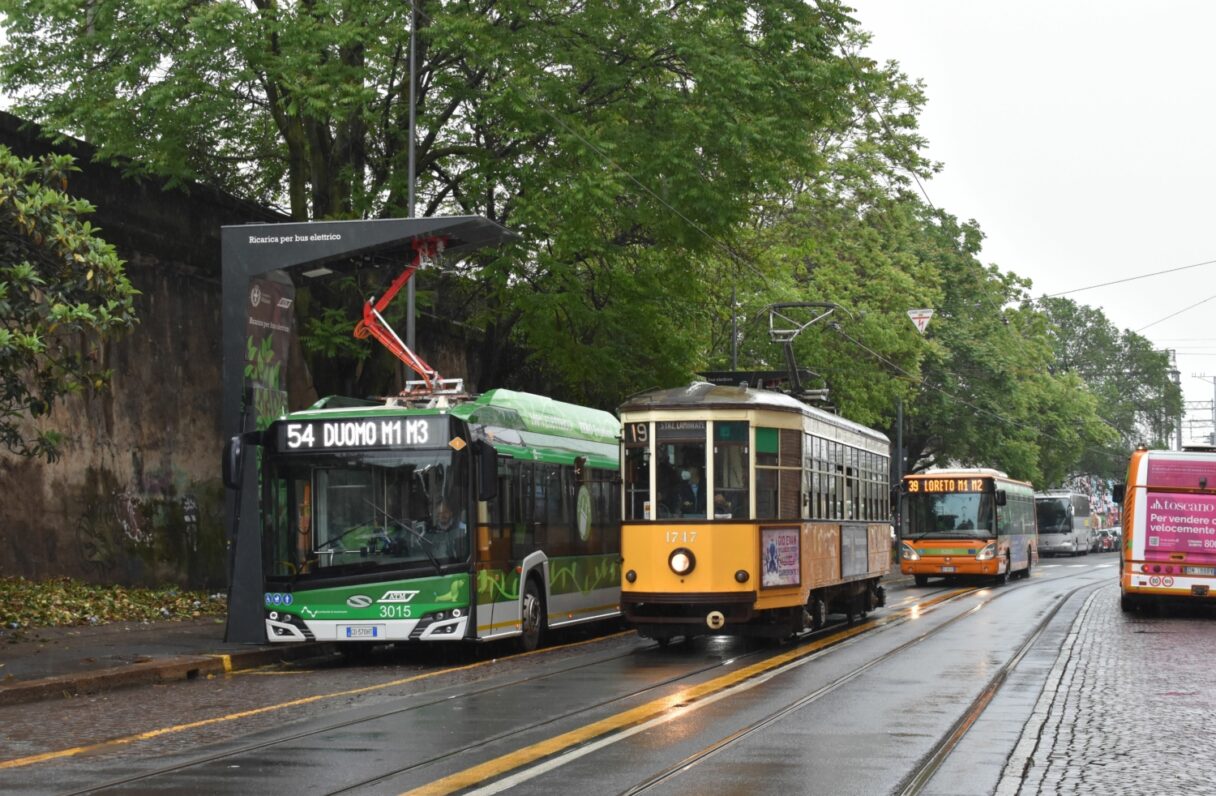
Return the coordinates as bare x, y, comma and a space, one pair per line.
362, 434
934, 486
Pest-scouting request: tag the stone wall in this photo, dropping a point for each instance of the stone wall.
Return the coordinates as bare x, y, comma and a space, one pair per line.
137, 498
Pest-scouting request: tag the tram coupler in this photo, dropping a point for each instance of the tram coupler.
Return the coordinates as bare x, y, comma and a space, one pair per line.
715, 620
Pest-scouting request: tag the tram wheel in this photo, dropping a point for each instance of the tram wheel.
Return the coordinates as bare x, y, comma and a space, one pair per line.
532, 617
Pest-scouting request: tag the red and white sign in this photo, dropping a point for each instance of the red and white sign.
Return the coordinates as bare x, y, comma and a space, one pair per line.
920, 318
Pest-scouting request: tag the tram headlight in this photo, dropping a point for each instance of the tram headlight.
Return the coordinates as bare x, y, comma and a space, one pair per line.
681, 561
988, 553
908, 553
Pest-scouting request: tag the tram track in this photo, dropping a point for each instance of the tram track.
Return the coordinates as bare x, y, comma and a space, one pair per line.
916, 780
269, 744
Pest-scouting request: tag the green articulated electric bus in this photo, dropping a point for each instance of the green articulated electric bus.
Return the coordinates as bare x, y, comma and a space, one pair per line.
494, 517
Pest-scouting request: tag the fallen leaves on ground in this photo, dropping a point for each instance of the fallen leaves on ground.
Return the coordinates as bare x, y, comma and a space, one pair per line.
62, 602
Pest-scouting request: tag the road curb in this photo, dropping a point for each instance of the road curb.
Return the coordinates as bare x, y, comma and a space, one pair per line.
161, 670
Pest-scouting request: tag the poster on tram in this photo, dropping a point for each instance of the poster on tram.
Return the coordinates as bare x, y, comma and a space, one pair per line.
780, 555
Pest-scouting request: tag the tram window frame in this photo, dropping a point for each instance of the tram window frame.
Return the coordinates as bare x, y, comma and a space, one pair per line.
728, 440
636, 487
779, 482
674, 440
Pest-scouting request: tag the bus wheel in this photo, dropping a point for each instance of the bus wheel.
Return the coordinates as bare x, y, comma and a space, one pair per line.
1003, 577
1029, 563
532, 617
1128, 603
921, 580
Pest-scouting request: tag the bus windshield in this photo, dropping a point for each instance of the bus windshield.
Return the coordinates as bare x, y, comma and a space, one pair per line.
950, 514
1053, 515
357, 512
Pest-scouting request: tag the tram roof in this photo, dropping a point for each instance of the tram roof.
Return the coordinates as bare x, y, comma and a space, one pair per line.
703, 395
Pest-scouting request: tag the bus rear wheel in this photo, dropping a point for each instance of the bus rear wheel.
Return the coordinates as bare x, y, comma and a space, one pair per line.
532, 617
1129, 603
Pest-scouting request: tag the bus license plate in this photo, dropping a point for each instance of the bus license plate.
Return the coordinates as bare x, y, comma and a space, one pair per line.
1199, 570
360, 631
1199, 591
947, 569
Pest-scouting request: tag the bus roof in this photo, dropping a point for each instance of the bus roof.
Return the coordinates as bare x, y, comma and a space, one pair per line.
703, 395
524, 411
967, 472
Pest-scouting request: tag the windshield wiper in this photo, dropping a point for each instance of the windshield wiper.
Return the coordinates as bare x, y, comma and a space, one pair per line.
409, 526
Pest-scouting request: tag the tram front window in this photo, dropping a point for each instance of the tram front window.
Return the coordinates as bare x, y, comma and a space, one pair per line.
360, 512
954, 514
681, 476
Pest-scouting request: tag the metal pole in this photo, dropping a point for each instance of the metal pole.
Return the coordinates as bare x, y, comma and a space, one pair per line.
410, 340
899, 467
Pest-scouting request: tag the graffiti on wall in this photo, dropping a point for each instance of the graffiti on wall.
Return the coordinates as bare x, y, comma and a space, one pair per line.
131, 537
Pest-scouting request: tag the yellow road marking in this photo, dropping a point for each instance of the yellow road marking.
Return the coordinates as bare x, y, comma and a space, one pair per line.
59, 754
499, 766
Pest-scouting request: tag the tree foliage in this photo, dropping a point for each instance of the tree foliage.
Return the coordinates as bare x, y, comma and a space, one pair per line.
672, 168
1129, 379
62, 291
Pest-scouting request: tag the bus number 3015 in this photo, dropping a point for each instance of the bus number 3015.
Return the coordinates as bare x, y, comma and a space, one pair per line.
395, 612
681, 537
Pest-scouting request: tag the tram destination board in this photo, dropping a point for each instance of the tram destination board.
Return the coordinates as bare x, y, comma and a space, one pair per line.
356, 434
935, 486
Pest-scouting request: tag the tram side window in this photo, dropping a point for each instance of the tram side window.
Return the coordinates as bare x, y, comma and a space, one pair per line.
778, 473
730, 469
637, 471
680, 473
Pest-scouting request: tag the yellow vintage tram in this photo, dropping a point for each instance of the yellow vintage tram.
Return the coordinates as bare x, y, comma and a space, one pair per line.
748, 512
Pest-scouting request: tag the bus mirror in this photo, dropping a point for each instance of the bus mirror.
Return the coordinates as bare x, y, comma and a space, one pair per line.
580, 469
487, 470
233, 451
1001, 497
232, 463
1117, 492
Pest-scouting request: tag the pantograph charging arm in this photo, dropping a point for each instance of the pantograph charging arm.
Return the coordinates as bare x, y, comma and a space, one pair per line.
374, 325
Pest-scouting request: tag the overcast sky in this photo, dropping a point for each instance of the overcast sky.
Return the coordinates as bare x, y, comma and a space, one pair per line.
1082, 138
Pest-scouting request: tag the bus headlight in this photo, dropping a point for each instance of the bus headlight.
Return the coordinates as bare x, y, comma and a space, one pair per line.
681, 561
908, 553
988, 553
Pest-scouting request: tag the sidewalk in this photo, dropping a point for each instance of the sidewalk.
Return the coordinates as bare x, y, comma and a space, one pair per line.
58, 662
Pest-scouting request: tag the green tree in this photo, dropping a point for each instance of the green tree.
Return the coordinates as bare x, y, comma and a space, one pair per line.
1128, 377
628, 142
63, 291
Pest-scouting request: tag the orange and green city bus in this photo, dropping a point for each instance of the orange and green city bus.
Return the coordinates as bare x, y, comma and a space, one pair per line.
967, 522
1169, 527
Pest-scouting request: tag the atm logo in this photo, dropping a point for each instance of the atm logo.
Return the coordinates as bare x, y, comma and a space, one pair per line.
400, 596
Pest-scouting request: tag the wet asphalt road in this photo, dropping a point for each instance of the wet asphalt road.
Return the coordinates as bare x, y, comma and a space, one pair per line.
613, 714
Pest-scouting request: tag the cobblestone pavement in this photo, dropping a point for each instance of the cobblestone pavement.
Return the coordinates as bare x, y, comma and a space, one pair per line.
1127, 708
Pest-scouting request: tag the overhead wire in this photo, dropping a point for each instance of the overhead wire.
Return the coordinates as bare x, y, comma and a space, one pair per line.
922, 381
1131, 279
1179, 312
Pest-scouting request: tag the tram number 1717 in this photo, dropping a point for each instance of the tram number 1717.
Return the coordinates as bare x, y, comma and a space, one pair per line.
681, 537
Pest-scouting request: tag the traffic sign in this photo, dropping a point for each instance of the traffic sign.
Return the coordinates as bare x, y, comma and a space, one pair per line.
920, 318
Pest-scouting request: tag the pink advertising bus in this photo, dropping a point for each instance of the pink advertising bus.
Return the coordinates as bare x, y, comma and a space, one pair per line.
1168, 548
